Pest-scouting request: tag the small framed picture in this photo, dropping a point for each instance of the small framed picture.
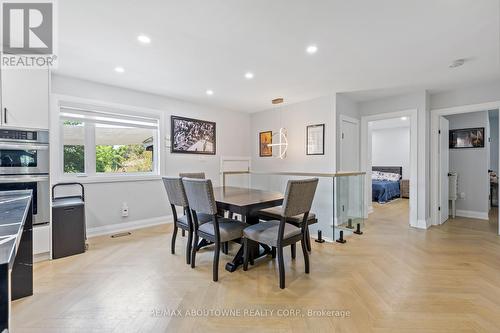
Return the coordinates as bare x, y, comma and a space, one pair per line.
467, 138
315, 139
265, 138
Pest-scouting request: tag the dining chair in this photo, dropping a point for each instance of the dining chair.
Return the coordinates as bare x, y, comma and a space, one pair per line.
200, 196
299, 196
274, 213
177, 198
197, 175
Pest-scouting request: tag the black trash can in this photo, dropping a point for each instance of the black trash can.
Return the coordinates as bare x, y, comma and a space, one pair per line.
68, 223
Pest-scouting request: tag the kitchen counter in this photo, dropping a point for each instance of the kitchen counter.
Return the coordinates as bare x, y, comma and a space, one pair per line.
16, 250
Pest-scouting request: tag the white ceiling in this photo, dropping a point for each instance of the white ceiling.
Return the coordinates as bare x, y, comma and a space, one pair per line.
200, 45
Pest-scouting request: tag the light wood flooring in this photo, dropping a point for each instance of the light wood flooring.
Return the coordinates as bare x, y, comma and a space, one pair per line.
391, 279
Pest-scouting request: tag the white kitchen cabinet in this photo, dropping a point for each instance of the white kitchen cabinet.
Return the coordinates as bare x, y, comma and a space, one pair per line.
25, 98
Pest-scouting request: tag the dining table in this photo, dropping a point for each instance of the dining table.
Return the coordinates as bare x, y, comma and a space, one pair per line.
246, 202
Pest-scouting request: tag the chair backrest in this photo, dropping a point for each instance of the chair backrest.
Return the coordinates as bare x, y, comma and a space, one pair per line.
200, 195
175, 191
299, 196
197, 175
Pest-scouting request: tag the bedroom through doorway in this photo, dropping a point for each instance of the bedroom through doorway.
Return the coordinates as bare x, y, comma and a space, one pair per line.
390, 165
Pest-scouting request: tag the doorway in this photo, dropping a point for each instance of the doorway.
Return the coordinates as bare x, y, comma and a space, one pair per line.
367, 163
468, 168
438, 163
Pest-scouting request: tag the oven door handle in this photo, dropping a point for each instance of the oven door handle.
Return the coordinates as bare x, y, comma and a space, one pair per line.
23, 179
23, 146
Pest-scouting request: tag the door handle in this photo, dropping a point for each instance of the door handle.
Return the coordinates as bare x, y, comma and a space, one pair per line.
5, 115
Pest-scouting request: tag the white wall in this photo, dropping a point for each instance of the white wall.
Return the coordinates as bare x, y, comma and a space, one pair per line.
147, 199
295, 118
480, 93
391, 147
472, 166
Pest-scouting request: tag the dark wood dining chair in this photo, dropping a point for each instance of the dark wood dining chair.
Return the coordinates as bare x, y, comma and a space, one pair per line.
197, 175
201, 200
299, 196
177, 198
274, 213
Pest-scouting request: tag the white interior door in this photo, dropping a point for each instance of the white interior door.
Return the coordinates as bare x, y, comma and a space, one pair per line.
349, 141
349, 161
444, 168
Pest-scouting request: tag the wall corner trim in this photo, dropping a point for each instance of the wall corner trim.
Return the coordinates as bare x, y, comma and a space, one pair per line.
127, 226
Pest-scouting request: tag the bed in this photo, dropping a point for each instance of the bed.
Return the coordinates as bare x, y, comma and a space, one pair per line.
384, 190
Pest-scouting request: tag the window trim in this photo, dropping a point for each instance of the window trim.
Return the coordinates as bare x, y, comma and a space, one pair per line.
90, 175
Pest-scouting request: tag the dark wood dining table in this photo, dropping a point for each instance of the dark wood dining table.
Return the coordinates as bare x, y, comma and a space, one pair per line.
246, 202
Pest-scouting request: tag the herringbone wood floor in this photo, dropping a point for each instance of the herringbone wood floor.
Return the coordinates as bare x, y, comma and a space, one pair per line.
393, 278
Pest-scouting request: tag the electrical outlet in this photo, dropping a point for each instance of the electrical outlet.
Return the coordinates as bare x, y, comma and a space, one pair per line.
124, 210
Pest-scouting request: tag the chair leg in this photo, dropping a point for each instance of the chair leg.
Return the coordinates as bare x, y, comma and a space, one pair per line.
195, 248
183, 233
225, 247
174, 236
306, 254
293, 249
273, 252
216, 261
308, 239
245, 254
281, 265
189, 245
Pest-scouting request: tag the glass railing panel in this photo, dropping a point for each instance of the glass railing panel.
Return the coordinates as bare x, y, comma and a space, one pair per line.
350, 206
344, 200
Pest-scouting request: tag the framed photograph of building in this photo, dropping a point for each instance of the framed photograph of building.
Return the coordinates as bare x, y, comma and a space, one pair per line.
192, 136
467, 138
265, 138
315, 136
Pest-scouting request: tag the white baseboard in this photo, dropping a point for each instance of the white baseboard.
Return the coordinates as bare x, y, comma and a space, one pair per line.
127, 226
473, 214
421, 224
41, 256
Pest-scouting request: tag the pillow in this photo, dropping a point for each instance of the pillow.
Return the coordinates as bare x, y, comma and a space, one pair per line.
376, 175
393, 177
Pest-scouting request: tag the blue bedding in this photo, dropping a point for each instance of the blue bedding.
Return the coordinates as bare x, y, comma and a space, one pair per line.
385, 190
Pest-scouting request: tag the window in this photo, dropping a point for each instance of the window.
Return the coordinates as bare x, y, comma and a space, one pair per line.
73, 146
104, 143
123, 149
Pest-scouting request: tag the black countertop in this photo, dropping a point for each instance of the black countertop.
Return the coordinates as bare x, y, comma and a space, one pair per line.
14, 207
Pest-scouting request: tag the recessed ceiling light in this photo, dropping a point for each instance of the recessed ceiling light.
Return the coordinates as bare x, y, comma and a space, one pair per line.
311, 49
456, 63
404, 118
144, 39
249, 75
209, 92
119, 69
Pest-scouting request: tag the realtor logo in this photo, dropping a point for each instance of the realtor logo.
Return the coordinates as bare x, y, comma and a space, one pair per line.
27, 29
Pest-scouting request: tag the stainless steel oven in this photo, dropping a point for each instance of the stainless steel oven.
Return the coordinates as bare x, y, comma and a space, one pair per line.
24, 152
24, 164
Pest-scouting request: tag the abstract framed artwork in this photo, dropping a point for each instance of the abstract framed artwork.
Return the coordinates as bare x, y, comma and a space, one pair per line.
192, 136
265, 138
315, 136
467, 138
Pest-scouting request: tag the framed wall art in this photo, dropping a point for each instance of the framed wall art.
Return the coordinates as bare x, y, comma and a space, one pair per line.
192, 136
